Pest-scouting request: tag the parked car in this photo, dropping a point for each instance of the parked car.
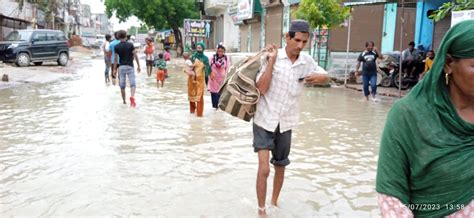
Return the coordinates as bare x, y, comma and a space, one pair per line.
24, 47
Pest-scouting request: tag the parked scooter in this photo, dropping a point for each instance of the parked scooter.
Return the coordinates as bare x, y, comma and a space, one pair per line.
390, 66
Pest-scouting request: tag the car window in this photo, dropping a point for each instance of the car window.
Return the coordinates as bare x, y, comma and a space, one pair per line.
40, 37
19, 36
51, 36
61, 36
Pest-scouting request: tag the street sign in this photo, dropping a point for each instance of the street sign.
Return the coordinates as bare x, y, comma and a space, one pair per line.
458, 16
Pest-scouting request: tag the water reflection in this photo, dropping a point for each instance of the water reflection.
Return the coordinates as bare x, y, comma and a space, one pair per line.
71, 148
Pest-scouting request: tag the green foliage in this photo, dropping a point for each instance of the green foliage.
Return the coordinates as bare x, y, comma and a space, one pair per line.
49, 7
448, 7
155, 13
142, 29
320, 13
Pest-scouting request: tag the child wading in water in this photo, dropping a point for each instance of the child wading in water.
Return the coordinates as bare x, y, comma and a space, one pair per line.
189, 66
160, 72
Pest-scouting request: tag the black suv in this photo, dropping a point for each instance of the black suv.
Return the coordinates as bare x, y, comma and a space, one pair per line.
25, 46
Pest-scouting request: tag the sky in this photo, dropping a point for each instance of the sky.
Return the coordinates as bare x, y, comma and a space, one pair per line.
97, 6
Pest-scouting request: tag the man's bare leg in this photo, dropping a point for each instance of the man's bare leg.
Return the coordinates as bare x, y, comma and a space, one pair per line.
262, 175
122, 91
277, 183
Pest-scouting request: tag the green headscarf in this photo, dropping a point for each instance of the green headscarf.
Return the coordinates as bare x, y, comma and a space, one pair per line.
426, 154
203, 58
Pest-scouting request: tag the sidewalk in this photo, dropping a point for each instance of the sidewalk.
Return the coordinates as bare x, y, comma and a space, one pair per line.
385, 91
48, 72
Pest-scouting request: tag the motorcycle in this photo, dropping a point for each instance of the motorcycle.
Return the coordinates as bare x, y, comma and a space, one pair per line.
390, 65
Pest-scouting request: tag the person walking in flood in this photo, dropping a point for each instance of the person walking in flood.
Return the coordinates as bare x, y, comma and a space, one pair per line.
160, 71
113, 59
219, 67
107, 57
280, 82
369, 69
196, 89
126, 52
149, 57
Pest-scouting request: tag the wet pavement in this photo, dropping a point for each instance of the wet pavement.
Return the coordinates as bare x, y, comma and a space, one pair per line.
71, 148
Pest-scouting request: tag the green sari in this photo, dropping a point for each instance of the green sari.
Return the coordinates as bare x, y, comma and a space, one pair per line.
426, 156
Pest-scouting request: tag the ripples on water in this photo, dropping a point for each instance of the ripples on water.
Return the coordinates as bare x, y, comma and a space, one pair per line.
71, 148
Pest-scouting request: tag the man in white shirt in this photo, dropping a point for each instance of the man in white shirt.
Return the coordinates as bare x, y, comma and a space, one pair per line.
280, 82
107, 55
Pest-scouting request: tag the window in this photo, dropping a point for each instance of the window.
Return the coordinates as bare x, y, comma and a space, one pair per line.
18, 36
60, 36
51, 36
39, 37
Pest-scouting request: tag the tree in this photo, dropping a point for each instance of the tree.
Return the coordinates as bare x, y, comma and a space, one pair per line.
449, 7
49, 7
157, 13
133, 29
323, 13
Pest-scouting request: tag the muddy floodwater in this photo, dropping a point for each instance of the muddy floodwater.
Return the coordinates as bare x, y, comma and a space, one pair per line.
71, 148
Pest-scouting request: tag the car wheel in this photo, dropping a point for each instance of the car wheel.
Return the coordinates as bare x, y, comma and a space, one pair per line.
38, 63
23, 60
63, 59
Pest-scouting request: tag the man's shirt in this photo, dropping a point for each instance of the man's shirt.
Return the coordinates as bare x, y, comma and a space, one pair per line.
280, 104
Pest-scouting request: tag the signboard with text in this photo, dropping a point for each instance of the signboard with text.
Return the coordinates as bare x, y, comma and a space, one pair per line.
458, 16
242, 10
199, 28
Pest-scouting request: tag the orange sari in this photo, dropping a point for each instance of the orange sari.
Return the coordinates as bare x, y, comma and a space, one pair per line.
196, 89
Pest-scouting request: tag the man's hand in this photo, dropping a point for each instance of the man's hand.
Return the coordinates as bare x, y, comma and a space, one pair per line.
138, 69
318, 79
357, 73
272, 50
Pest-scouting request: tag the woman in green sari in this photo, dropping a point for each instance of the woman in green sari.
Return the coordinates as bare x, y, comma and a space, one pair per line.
426, 158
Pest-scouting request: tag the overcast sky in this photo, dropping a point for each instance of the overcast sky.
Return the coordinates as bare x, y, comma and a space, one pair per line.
99, 7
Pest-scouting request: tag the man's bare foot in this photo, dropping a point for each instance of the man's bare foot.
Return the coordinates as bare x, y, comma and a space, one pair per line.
262, 212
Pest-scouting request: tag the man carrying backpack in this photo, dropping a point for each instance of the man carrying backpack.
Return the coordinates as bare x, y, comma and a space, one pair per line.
280, 82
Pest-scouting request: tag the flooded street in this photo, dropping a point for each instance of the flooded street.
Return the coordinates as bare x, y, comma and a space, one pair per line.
72, 148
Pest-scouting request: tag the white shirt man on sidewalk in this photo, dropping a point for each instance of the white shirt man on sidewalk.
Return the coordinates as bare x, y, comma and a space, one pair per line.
280, 82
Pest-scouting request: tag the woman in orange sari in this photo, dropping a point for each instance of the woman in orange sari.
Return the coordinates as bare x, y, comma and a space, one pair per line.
196, 86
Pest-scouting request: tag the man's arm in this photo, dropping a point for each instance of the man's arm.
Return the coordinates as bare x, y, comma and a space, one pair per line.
379, 56
115, 63
263, 84
359, 60
357, 68
317, 76
136, 59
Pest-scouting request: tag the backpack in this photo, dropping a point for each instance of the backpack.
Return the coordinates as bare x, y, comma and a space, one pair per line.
239, 94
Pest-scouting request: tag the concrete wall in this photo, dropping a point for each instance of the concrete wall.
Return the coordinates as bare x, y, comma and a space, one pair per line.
424, 25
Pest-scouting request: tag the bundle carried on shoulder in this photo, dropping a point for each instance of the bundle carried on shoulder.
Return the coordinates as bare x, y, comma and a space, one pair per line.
239, 94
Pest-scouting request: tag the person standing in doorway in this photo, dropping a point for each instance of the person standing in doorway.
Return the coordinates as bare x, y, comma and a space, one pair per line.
107, 57
369, 69
126, 52
219, 67
280, 82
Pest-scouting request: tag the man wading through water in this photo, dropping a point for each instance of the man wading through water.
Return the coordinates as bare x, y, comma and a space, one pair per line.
280, 82
126, 51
